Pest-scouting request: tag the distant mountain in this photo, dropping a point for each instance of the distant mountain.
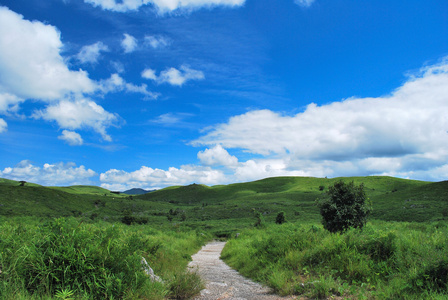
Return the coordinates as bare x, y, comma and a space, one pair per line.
137, 191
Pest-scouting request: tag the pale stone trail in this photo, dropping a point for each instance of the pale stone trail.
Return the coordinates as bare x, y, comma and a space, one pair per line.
222, 282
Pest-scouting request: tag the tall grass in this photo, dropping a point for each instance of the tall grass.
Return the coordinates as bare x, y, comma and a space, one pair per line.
66, 258
383, 261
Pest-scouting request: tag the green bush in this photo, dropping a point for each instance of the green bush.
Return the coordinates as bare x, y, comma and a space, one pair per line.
280, 219
345, 207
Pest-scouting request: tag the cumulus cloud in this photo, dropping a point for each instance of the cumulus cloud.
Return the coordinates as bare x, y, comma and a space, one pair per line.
162, 6
9, 103
79, 114
32, 67
71, 137
157, 42
304, 3
129, 43
30, 62
147, 177
149, 74
174, 76
49, 174
217, 156
91, 53
400, 132
3, 126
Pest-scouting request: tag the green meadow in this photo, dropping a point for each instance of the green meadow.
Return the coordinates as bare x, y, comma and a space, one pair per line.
85, 242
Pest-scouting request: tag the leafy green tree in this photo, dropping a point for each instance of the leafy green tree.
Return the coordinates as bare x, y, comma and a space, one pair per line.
345, 207
280, 219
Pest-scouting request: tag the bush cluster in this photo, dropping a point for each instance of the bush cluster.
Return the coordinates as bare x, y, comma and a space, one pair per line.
383, 261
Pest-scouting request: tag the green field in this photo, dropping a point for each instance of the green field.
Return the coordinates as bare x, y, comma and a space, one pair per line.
406, 214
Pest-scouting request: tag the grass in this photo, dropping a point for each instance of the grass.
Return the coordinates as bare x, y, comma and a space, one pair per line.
94, 261
401, 254
383, 261
225, 209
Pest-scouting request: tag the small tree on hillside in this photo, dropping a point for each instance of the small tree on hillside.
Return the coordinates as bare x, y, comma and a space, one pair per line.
345, 207
280, 219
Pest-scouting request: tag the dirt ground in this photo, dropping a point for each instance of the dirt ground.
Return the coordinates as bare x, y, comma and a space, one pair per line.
222, 282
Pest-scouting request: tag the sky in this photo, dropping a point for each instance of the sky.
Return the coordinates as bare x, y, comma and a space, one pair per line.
153, 93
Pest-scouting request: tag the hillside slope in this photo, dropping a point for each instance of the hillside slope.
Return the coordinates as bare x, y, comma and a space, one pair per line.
226, 206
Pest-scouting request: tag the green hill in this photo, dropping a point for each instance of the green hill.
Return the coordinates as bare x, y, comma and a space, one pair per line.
226, 207
294, 195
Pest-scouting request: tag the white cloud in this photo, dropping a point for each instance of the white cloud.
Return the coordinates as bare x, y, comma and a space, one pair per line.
9, 103
31, 67
149, 74
162, 6
79, 114
157, 42
168, 119
3, 126
402, 132
264, 168
91, 53
49, 174
217, 156
129, 43
30, 62
147, 177
304, 3
116, 84
174, 76
71, 137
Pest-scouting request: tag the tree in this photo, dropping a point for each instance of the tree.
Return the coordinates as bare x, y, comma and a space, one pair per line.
280, 219
345, 207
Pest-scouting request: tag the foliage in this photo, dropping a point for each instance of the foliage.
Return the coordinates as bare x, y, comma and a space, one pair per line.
280, 219
384, 261
259, 220
345, 207
66, 258
129, 218
185, 285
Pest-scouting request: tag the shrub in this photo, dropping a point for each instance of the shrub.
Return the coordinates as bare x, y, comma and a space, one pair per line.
259, 220
345, 207
185, 285
280, 219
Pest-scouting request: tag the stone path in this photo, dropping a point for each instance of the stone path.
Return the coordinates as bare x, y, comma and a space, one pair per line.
222, 282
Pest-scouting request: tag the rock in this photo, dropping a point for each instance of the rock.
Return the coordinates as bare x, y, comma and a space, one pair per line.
149, 271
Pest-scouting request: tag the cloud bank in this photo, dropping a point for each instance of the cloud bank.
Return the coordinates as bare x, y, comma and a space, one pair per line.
401, 134
162, 6
49, 174
147, 177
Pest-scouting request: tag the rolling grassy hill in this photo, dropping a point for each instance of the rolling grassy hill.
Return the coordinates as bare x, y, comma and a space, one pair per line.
226, 208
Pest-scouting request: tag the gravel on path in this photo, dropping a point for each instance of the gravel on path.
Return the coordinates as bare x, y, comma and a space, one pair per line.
222, 282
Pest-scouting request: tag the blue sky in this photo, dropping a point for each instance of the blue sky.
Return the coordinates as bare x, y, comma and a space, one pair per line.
153, 93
